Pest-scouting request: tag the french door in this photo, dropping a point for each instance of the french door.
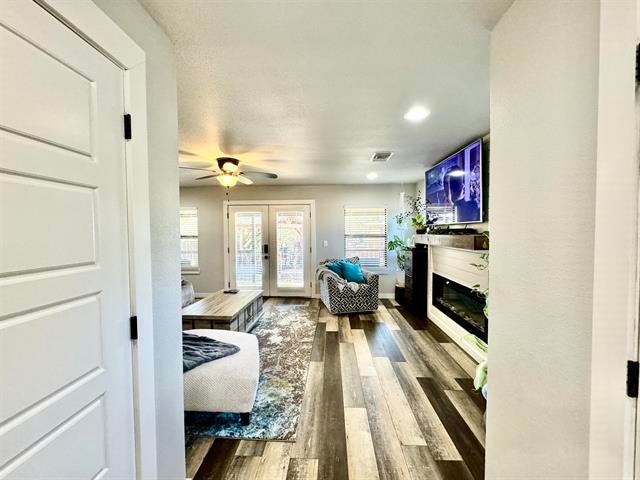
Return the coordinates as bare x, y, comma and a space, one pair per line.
270, 249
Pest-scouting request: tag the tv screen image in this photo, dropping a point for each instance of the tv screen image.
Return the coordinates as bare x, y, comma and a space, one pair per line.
454, 187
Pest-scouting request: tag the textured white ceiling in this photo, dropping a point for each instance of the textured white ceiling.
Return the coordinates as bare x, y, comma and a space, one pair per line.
310, 89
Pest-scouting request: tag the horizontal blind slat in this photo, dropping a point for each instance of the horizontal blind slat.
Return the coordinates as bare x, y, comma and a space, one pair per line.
366, 235
189, 238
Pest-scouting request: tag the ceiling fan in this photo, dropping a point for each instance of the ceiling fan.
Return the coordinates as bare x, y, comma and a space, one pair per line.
230, 173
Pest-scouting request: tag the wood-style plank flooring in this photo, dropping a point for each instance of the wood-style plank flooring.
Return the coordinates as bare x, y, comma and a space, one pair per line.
388, 396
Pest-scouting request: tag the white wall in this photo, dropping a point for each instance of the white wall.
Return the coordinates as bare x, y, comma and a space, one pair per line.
165, 247
544, 80
330, 202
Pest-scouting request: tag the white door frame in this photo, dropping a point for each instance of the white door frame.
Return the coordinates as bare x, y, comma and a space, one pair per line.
87, 20
615, 307
225, 234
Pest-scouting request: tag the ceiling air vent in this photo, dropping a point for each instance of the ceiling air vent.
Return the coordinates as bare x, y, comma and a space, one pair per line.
381, 156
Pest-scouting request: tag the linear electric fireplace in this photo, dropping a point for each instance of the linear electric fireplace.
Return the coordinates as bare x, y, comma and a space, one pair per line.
462, 304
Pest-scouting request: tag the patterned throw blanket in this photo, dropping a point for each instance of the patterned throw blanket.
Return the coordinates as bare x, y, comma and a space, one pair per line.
197, 350
323, 271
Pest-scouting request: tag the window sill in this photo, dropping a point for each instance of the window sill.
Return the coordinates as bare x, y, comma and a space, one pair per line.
380, 270
191, 272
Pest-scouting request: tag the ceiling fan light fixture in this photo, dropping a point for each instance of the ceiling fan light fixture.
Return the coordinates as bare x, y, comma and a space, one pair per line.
227, 180
229, 167
228, 164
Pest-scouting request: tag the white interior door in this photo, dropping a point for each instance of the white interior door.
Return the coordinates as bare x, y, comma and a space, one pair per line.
66, 408
248, 247
289, 241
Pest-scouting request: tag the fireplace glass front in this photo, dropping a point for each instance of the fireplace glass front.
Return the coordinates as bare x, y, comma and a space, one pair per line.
462, 304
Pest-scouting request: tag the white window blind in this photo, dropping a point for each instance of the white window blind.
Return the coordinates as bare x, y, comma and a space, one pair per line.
365, 235
189, 239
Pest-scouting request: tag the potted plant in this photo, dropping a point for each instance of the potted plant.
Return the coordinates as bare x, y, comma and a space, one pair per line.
416, 212
419, 223
400, 246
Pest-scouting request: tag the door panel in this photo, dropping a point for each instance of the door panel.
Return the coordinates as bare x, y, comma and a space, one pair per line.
56, 360
289, 234
50, 458
46, 224
248, 233
66, 409
42, 80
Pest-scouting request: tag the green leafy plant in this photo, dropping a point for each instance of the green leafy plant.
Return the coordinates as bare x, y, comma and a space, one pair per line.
416, 213
400, 246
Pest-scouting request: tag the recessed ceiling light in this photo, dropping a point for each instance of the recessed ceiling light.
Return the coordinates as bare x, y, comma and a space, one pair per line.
416, 114
372, 175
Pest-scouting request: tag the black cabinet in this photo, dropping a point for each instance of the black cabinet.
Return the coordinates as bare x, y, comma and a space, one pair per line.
416, 282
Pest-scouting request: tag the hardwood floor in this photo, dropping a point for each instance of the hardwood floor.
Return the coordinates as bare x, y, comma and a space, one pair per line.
388, 396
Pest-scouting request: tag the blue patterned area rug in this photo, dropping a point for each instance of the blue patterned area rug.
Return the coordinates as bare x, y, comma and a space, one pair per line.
285, 335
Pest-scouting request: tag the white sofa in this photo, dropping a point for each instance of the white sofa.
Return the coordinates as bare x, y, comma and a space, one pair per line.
228, 384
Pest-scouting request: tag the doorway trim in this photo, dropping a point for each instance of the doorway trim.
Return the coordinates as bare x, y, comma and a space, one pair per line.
225, 233
611, 429
89, 22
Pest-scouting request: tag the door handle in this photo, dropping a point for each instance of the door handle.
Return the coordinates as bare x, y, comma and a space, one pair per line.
265, 251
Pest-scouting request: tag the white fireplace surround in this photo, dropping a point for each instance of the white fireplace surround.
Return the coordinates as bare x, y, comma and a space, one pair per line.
455, 264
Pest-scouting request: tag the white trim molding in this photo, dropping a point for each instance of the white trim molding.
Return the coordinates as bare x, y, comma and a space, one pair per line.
612, 426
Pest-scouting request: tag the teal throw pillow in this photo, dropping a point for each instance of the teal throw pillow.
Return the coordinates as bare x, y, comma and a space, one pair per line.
352, 272
335, 267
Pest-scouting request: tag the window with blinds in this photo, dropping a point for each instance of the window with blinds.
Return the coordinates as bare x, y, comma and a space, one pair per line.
189, 239
365, 235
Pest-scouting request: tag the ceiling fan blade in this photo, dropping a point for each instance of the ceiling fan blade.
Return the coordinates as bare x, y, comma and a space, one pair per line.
196, 168
260, 174
187, 153
208, 176
245, 180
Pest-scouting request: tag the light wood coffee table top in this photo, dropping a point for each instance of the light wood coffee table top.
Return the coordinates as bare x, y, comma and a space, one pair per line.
220, 305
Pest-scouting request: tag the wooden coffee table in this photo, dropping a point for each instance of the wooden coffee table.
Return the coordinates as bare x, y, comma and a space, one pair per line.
238, 312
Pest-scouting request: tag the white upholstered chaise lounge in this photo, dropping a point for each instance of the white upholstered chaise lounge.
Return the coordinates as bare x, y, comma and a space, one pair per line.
228, 384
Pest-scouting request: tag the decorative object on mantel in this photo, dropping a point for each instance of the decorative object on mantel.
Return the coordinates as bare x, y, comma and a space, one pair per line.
416, 211
467, 242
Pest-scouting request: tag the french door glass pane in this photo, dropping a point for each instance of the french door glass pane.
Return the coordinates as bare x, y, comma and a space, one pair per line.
290, 238
248, 249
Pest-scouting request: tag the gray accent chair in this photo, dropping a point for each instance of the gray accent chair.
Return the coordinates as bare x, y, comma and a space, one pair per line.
340, 299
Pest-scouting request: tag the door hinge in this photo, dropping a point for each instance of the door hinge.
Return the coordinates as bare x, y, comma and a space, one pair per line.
127, 126
133, 327
228, 284
228, 250
638, 63
227, 215
633, 370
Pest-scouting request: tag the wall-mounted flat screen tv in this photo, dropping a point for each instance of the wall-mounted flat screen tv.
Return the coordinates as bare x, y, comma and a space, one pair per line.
454, 187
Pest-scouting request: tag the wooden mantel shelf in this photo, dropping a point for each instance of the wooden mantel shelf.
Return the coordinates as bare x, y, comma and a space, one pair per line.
466, 242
